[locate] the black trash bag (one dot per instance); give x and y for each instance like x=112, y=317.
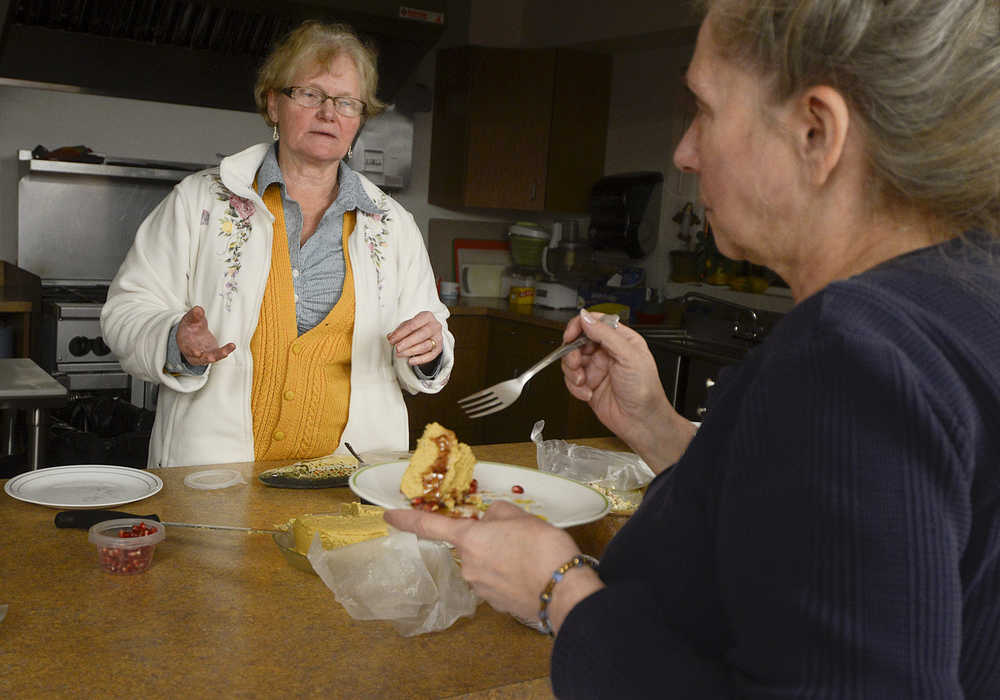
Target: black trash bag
x=100, y=430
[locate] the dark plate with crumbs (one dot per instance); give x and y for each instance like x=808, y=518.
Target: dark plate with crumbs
x=320, y=473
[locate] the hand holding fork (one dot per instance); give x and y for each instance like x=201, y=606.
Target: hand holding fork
x=500, y=396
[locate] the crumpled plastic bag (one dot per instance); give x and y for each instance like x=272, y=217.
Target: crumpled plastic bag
x=616, y=471
x=414, y=584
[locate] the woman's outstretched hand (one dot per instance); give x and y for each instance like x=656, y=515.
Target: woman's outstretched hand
x=617, y=376
x=196, y=342
x=507, y=557
x=419, y=339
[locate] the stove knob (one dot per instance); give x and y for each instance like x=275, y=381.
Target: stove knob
x=79, y=346
x=99, y=347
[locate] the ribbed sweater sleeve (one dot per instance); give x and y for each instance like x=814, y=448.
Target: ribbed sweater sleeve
x=812, y=542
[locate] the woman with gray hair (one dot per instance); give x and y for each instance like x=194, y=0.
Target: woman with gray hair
x=317, y=283
x=833, y=527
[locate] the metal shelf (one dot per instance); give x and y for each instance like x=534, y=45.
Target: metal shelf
x=122, y=167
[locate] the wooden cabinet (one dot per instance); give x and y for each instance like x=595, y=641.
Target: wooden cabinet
x=469, y=375
x=489, y=350
x=20, y=305
x=514, y=347
x=518, y=129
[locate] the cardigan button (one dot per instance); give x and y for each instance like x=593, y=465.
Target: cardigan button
x=289, y=395
x=278, y=436
x=296, y=349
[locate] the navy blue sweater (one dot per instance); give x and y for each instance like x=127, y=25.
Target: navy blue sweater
x=833, y=530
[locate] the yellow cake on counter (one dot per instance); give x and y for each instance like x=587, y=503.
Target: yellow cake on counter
x=354, y=523
x=439, y=474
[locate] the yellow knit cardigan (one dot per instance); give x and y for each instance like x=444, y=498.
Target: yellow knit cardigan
x=301, y=384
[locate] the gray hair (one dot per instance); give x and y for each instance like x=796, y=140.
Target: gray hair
x=922, y=75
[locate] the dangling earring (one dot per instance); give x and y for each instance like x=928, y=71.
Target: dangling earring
x=350, y=152
x=274, y=134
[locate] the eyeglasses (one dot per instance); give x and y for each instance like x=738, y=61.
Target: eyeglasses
x=311, y=97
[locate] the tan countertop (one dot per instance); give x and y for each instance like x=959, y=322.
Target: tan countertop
x=222, y=614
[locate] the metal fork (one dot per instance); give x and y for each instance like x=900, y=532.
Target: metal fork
x=500, y=396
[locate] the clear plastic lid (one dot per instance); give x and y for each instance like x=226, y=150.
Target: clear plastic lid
x=106, y=533
x=214, y=479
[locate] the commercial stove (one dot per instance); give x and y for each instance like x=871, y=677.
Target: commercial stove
x=72, y=348
x=715, y=334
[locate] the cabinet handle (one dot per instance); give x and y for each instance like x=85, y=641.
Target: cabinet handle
x=709, y=383
x=701, y=411
x=532, y=191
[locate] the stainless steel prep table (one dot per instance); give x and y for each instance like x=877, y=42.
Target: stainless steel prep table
x=25, y=385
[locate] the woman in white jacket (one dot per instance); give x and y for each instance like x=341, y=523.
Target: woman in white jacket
x=282, y=300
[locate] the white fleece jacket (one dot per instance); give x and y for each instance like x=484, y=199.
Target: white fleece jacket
x=208, y=243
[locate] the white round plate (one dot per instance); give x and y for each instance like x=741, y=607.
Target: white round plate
x=560, y=501
x=83, y=486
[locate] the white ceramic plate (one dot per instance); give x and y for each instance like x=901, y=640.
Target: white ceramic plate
x=560, y=501
x=83, y=486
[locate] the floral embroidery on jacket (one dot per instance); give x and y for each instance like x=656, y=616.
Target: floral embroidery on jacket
x=234, y=228
x=376, y=231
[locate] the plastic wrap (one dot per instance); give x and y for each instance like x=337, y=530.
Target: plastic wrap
x=621, y=471
x=618, y=475
x=414, y=584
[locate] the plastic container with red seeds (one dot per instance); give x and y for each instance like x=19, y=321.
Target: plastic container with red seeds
x=126, y=545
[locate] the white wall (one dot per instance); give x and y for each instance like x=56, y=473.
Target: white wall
x=644, y=127
x=497, y=23
x=469, y=22
x=120, y=127
x=571, y=22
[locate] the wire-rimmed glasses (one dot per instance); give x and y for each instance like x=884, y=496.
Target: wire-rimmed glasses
x=312, y=97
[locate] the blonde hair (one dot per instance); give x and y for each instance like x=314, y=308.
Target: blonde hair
x=922, y=75
x=316, y=44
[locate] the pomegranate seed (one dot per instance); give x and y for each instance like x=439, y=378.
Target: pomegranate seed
x=517, y=489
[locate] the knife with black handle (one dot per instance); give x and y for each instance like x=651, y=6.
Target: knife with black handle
x=85, y=519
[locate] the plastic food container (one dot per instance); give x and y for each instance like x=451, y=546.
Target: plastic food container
x=126, y=545
x=522, y=293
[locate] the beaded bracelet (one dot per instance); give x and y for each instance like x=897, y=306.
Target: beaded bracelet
x=557, y=576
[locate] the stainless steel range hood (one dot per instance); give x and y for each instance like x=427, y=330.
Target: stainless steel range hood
x=195, y=52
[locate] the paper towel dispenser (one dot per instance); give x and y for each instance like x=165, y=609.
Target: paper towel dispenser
x=383, y=150
x=625, y=212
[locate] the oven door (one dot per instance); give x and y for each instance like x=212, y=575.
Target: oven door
x=92, y=376
x=107, y=376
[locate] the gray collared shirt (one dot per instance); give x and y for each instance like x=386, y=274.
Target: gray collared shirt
x=318, y=266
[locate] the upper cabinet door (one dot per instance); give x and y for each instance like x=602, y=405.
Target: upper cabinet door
x=510, y=111
x=518, y=129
